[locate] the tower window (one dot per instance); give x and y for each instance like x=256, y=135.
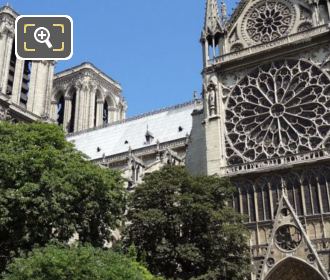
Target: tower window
x=25, y=82
x=105, y=112
x=60, y=110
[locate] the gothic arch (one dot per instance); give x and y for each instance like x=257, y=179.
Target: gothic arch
x=60, y=105
x=294, y=192
x=72, y=95
x=294, y=269
x=263, y=199
x=108, y=110
x=248, y=202
x=311, y=192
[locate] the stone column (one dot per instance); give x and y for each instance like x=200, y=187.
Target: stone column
x=99, y=113
x=53, y=110
x=82, y=108
x=87, y=107
x=41, y=82
x=112, y=114
x=49, y=88
x=6, y=44
x=78, y=107
x=18, y=79
x=92, y=107
x=67, y=112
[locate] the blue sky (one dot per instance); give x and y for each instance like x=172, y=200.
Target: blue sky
x=150, y=46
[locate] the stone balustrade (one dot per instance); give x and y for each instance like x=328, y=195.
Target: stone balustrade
x=305, y=35
x=284, y=161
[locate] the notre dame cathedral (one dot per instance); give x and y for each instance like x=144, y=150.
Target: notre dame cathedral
x=263, y=121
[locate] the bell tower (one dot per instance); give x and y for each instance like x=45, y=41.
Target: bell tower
x=25, y=86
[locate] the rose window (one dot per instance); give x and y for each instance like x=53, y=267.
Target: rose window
x=269, y=20
x=279, y=109
x=288, y=237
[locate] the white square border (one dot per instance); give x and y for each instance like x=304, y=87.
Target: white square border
x=38, y=59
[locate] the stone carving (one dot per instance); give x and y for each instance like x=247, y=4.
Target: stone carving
x=236, y=47
x=279, y=109
x=288, y=237
x=211, y=98
x=305, y=26
x=269, y=20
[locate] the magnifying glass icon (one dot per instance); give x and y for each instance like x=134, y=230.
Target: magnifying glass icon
x=42, y=35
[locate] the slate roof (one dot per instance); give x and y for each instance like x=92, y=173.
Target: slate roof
x=164, y=125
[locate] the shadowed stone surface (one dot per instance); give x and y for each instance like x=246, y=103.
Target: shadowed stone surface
x=292, y=269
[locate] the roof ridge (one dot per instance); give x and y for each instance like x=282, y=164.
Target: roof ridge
x=239, y=7
x=137, y=117
x=87, y=63
x=5, y=7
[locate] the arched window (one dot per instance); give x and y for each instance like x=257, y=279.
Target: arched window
x=294, y=193
x=263, y=200
x=276, y=191
x=25, y=82
x=105, y=112
x=73, y=95
x=324, y=194
x=311, y=193
x=11, y=73
x=307, y=195
x=248, y=203
x=60, y=109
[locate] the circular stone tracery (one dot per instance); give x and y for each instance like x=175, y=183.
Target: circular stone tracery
x=278, y=109
x=288, y=237
x=267, y=21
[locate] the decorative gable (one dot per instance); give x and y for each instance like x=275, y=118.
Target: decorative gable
x=258, y=22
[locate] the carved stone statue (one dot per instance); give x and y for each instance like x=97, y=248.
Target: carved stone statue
x=211, y=95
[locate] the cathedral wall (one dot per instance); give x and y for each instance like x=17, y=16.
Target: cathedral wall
x=196, y=154
x=308, y=192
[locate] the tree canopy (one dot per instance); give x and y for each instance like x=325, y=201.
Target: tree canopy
x=183, y=229
x=49, y=191
x=76, y=263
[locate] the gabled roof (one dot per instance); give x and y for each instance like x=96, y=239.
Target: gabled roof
x=119, y=137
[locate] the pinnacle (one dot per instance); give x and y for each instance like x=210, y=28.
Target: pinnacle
x=213, y=21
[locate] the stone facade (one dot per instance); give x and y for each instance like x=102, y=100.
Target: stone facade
x=84, y=98
x=263, y=122
x=266, y=107
x=25, y=86
x=79, y=98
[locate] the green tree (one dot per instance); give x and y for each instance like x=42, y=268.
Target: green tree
x=49, y=191
x=183, y=229
x=75, y=263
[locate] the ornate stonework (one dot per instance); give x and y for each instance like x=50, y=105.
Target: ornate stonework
x=280, y=108
x=268, y=20
x=271, y=133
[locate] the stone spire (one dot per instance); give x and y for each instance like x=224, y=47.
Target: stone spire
x=213, y=22
x=223, y=12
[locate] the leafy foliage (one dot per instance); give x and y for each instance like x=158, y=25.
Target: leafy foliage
x=181, y=226
x=49, y=191
x=78, y=263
